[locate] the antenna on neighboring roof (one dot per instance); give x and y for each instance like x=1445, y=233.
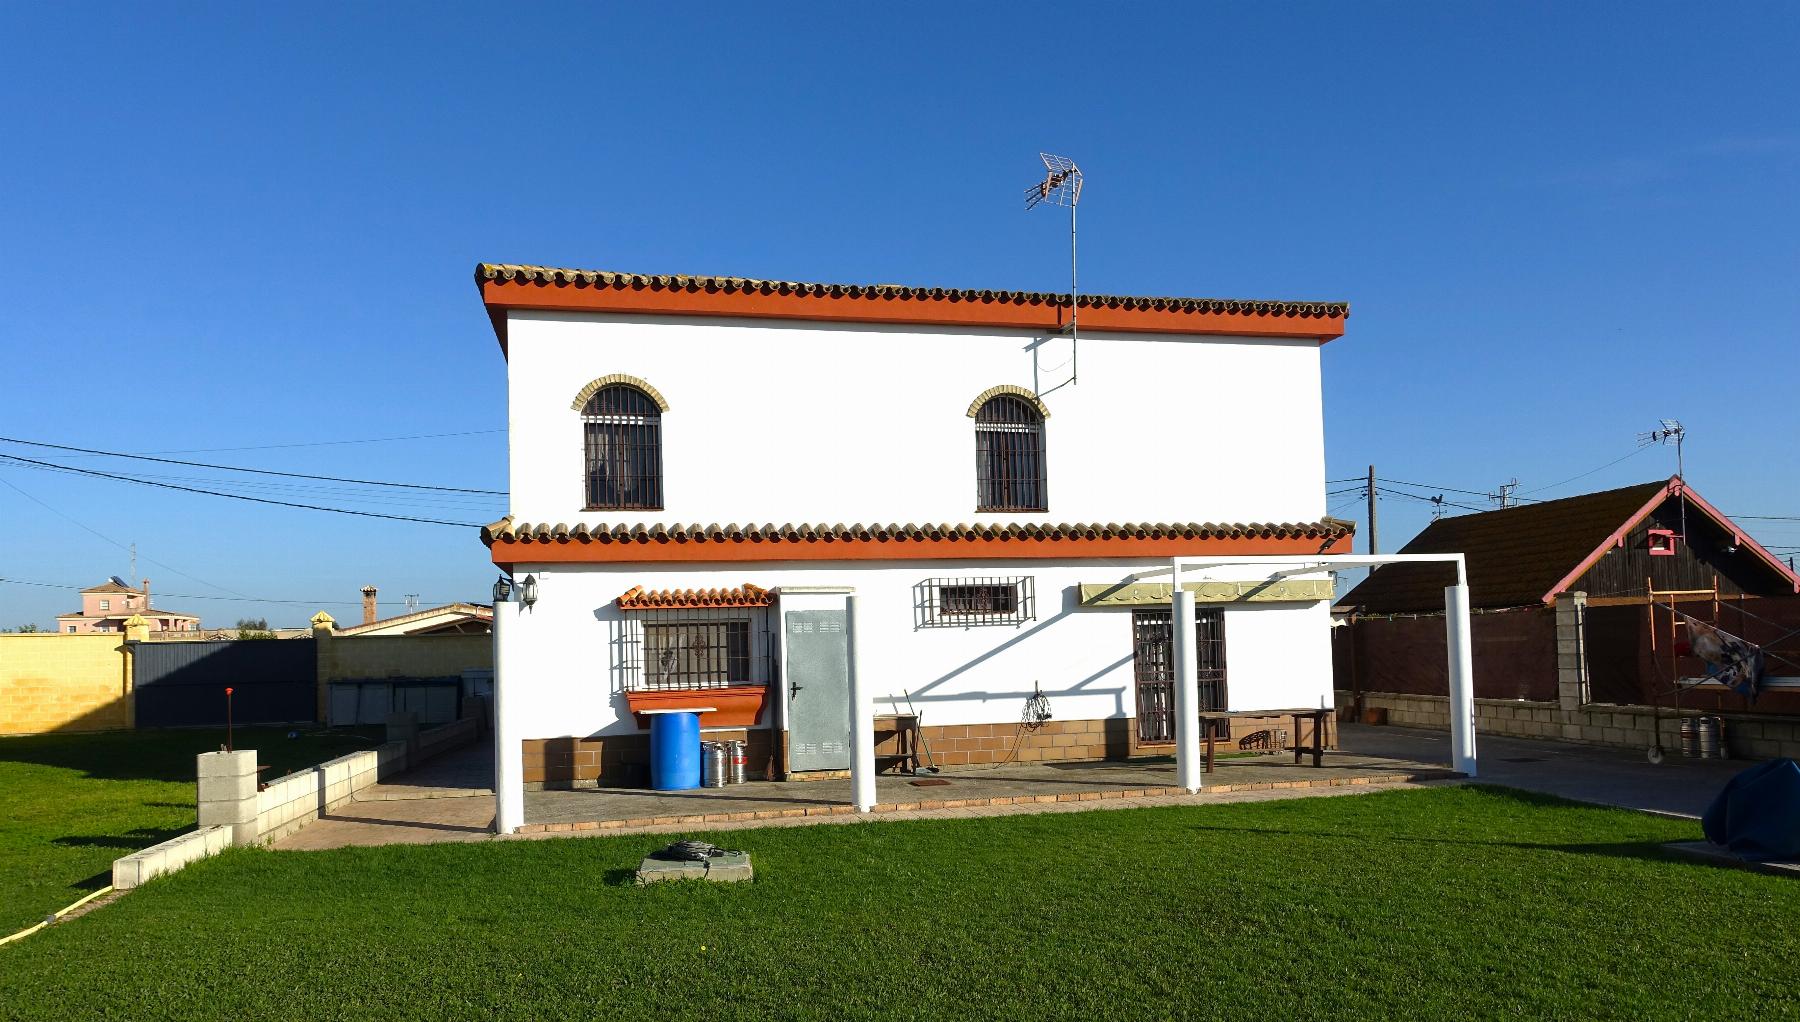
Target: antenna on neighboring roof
x=1672, y=432
x=1061, y=186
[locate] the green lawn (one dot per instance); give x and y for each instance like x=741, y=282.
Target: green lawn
x=1450, y=902
x=71, y=804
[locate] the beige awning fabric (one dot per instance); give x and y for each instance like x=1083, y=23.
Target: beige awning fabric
x=1152, y=594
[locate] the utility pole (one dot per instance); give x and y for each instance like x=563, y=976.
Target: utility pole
x=1506, y=492
x=1374, y=545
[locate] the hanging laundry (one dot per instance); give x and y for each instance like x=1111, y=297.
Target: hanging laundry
x=1730, y=661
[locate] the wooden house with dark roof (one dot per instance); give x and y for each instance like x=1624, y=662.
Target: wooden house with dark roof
x=1615, y=546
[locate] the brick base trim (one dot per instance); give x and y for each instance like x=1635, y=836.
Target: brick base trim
x=625, y=759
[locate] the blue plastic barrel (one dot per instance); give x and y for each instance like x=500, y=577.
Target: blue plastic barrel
x=675, y=751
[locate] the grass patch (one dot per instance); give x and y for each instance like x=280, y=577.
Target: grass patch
x=1450, y=902
x=74, y=803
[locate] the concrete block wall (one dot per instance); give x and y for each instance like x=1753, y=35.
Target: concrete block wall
x=53, y=682
x=285, y=805
x=1747, y=736
x=171, y=855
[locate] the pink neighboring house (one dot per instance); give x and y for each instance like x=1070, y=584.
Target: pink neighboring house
x=105, y=608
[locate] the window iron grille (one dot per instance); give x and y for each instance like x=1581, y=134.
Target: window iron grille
x=697, y=648
x=622, y=431
x=1153, y=666
x=970, y=602
x=1009, y=456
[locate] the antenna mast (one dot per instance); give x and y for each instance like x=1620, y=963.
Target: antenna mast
x=1061, y=186
x=1673, y=432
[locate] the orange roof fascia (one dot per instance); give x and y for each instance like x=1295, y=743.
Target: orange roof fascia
x=948, y=310
x=509, y=552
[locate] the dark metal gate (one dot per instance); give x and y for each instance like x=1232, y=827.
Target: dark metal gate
x=182, y=684
x=1153, y=664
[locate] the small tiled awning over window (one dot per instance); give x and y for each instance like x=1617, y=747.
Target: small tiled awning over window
x=746, y=595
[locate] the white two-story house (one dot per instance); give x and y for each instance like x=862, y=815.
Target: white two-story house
x=703, y=467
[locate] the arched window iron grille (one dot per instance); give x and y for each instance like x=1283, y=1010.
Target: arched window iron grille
x=1009, y=456
x=622, y=429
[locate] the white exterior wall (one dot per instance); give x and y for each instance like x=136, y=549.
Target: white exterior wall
x=778, y=421
x=1278, y=655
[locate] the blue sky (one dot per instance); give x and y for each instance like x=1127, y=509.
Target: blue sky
x=242, y=226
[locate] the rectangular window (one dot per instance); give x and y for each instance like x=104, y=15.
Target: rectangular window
x=696, y=653
x=105, y=604
x=1153, y=665
x=966, y=602
x=71, y=629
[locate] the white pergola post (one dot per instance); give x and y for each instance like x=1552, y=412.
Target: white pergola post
x=1188, y=764
x=1462, y=678
x=862, y=717
x=509, y=765
x=1456, y=615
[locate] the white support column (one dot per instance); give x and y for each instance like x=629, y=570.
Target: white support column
x=509, y=753
x=862, y=715
x=1462, y=679
x=1188, y=765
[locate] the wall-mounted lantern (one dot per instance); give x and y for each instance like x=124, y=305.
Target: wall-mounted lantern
x=528, y=590
x=502, y=589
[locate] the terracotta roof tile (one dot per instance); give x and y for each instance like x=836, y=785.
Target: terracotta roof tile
x=745, y=285
x=746, y=595
x=1515, y=556
x=507, y=531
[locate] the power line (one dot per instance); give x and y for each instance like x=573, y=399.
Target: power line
x=257, y=471
x=1640, y=449
x=226, y=599
x=328, y=443
x=237, y=496
x=82, y=525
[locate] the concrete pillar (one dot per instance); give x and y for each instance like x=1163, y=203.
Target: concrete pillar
x=322, y=627
x=137, y=628
x=862, y=716
x=1572, y=691
x=1188, y=764
x=509, y=750
x=226, y=793
x=1462, y=679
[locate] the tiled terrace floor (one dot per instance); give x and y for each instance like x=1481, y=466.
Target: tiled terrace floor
x=439, y=803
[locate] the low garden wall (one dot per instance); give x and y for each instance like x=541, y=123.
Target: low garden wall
x=1747, y=736
x=289, y=803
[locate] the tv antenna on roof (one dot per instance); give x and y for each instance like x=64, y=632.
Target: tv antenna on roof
x=1672, y=432
x=1061, y=186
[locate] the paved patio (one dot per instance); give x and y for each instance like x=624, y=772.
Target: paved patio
x=440, y=802
x=451, y=799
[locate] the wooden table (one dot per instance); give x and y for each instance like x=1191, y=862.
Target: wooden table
x=905, y=728
x=1317, y=715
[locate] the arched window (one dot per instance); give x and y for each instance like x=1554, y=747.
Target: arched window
x=1009, y=455
x=622, y=426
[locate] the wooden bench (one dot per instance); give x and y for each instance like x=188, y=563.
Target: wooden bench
x=1318, y=716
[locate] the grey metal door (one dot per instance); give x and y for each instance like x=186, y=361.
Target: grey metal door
x=818, y=680
x=182, y=684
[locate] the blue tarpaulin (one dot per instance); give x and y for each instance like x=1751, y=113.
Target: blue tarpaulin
x=1757, y=814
